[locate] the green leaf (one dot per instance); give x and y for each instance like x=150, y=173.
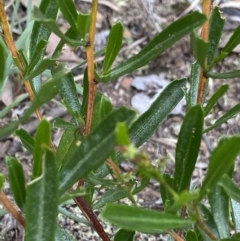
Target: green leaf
x=144, y=127
x=47, y=92
x=216, y=25
x=191, y=236
x=219, y=202
x=42, y=202
x=40, y=68
x=142, y=220
x=2, y=179
x=15, y=103
x=52, y=26
x=170, y=35
x=83, y=24
x=113, y=46
x=165, y=195
x=214, y=99
x=49, y=8
x=122, y=135
x=227, y=75
x=195, y=74
x=26, y=139
x=230, y=187
x=37, y=55
x=69, y=12
x=3, y=61
x=236, y=214
x=85, y=93
x=17, y=181
x=43, y=138
x=124, y=235
x=76, y=193
x=221, y=160
x=102, y=106
x=189, y=140
x=87, y=158
x=60, y=123
x=230, y=114
x=200, y=49
x=63, y=235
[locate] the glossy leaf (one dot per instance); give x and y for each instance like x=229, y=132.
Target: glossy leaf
x=221, y=160
x=216, y=25
x=227, y=75
x=157, y=45
x=124, y=235
x=69, y=12
x=49, y=8
x=2, y=60
x=43, y=138
x=236, y=214
x=214, y=99
x=42, y=202
x=195, y=74
x=230, y=187
x=189, y=140
x=219, y=202
x=142, y=220
x=83, y=24
x=47, y=92
x=191, y=236
x=26, y=139
x=85, y=93
x=144, y=127
x=52, y=26
x=38, y=53
x=230, y=114
x=17, y=181
x=87, y=158
x=113, y=46
x=2, y=179
x=200, y=49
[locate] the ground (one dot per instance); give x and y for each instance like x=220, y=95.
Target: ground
x=141, y=20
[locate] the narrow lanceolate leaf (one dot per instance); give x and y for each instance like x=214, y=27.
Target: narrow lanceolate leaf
x=189, y=140
x=62, y=235
x=215, y=32
x=236, y=215
x=227, y=75
x=68, y=9
x=157, y=45
x=49, y=8
x=125, y=235
x=191, y=236
x=17, y=181
x=165, y=195
x=113, y=46
x=221, y=160
x=142, y=220
x=144, y=127
x=47, y=92
x=83, y=24
x=2, y=179
x=87, y=158
x=43, y=138
x=230, y=114
x=230, y=187
x=219, y=202
x=195, y=73
x=2, y=60
x=26, y=139
x=200, y=49
x=42, y=202
x=214, y=99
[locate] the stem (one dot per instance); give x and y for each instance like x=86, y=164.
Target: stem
x=206, y=9
x=90, y=64
x=202, y=225
x=11, y=209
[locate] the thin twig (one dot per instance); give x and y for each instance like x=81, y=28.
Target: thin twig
x=11, y=209
x=206, y=9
